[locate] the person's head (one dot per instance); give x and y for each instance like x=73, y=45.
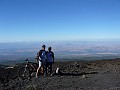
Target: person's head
x=49, y=48
x=43, y=47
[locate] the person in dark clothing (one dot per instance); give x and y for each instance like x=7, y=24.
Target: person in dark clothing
x=41, y=59
x=49, y=61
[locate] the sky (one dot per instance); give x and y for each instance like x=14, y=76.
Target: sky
x=49, y=20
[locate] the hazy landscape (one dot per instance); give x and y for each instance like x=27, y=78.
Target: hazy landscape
x=84, y=36
x=64, y=50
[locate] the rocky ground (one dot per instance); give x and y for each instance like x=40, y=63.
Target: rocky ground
x=77, y=75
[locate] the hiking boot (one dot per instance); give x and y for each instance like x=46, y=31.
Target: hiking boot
x=36, y=76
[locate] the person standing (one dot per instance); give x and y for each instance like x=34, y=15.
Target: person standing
x=49, y=60
x=42, y=60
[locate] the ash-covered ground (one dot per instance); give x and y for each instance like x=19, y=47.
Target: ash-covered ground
x=76, y=75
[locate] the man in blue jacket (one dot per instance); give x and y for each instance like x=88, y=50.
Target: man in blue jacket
x=49, y=60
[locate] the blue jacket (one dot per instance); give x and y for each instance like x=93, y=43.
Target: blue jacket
x=42, y=55
x=50, y=56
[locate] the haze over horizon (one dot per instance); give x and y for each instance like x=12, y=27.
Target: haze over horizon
x=49, y=20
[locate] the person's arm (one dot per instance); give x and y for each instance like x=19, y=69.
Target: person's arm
x=38, y=54
x=46, y=55
x=53, y=57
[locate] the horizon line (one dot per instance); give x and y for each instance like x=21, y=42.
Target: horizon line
x=61, y=40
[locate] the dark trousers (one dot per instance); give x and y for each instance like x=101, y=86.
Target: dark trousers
x=48, y=68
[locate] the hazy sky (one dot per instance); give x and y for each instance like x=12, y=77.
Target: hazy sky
x=41, y=20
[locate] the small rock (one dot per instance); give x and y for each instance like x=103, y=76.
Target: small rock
x=83, y=76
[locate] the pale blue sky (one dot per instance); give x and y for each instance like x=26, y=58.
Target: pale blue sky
x=44, y=20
